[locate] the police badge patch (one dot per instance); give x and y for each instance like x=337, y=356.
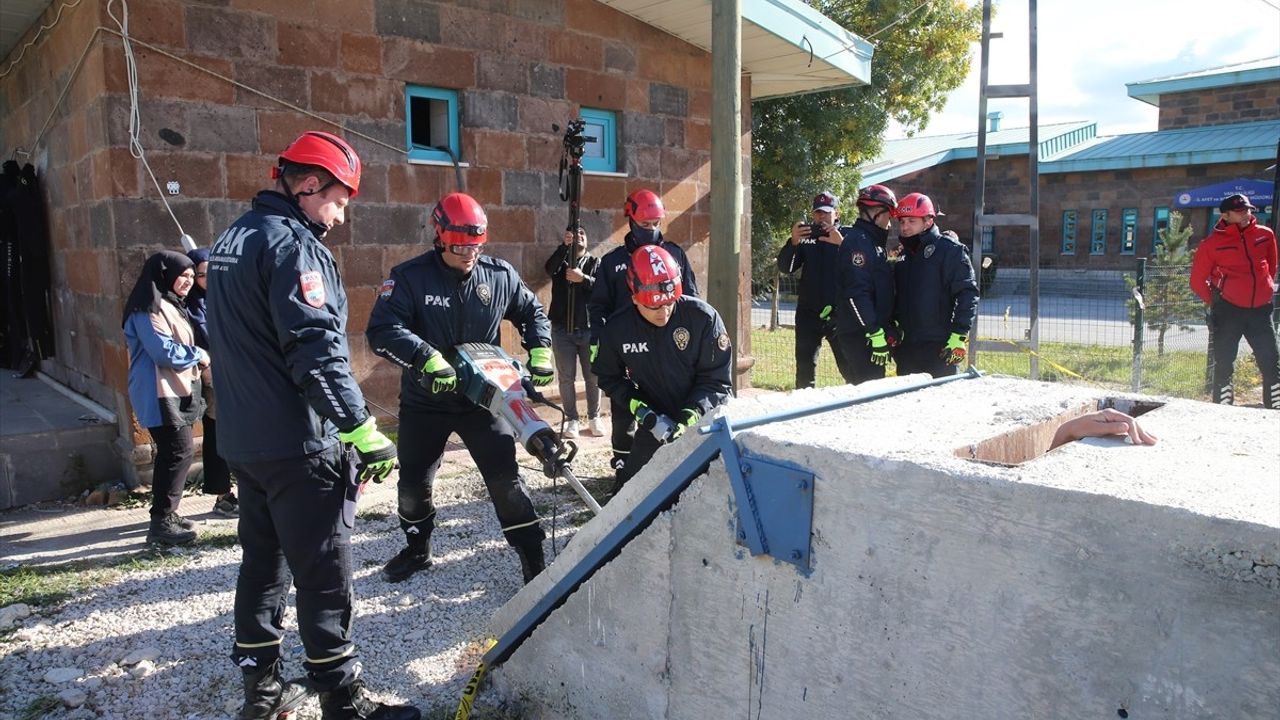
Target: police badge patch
x=722, y=342
x=388, y=286
x=312, y=285
x=484, y=293
x=928, y=250
x=681, y=336
x=859, y=259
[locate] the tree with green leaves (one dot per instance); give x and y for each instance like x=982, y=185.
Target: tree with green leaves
x=1167, y=299
x=804, y=144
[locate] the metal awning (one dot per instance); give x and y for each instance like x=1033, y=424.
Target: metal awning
x=788, y=48
x=1258, y=192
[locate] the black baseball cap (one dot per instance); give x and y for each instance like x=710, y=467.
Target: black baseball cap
x=825, y=202
x=1235, y=202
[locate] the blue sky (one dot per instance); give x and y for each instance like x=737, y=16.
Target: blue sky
x=1089, y=49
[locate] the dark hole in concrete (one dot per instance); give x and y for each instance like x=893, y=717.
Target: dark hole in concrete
x=1028, y=443
x=173, y=137
x=1122, y=713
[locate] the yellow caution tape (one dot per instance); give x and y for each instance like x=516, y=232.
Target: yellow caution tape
x=1051, y=363
x=472, y=688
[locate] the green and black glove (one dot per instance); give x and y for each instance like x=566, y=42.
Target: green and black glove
x=595, y=348
x=953, y=353
x=895, y=335
x=879, y=348
x=438, y=375
x=540, y=370
x=376, y=451
x=687, y=419
x=826, y=312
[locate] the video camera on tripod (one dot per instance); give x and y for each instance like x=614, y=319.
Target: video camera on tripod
x=575, y=143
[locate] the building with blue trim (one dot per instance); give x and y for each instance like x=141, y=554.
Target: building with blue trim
x=1103, y=199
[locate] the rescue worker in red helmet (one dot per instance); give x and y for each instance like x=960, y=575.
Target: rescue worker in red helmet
x=936, y=294
x=294, y=430
x=1234, y=273
x=864, y=314
x=665, y=357
x=449, y=295
x=644, y=212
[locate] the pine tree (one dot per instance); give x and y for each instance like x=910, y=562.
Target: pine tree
x=1167, y=297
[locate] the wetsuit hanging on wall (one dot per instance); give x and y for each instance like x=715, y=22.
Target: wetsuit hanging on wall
x=25, y=287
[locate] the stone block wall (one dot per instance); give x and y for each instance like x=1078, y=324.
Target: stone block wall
x=1220, y=106
x=522, y=69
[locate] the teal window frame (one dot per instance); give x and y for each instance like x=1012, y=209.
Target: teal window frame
x=601, y=154
x=1070, y=229
x=442, y=104
x=1159, y=221
x=1129, y=231
x=1098, y=232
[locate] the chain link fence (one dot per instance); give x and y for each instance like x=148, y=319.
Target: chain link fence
x=1141, y=330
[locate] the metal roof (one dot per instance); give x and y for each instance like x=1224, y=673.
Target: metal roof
x=900, y=157
x=1243, y=73
x=1239, y=142
x=788, y=48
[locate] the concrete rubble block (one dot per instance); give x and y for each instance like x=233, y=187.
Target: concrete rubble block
x=1096, y=579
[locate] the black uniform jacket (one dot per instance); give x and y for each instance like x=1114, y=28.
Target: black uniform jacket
x=936, y=291
x=866, y=280
x=556, y=266
x=611, y=292
x=425, y=305
x=685, y=364
x=820, y=279
x=278, y=334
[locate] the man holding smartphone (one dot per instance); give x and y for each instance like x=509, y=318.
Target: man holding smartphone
x=815, y=247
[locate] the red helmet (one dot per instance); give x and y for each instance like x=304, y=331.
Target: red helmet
x=877, y=195
x=653, y=276
x=643, y=206
x=459, y=220
x=327, y=151
x=915, y=205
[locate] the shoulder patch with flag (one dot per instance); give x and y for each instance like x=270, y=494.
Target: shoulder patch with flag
x=312, y=284
x=388, y=286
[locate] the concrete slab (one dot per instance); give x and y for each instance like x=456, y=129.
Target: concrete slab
x=51, y=445
x=1098, y=580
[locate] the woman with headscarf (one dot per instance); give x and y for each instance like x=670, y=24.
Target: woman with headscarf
x=217, y=475
x=165, y=383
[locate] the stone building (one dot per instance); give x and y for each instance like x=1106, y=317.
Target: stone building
x=222, y=86
x=1103, y=199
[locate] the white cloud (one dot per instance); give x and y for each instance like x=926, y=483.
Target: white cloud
x=1089, y=49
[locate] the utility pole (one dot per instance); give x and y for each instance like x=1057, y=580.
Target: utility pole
x=724, y=263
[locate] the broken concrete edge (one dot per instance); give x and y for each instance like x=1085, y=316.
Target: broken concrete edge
x=931, y=425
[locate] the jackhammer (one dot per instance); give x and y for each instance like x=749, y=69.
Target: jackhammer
x=492, y=379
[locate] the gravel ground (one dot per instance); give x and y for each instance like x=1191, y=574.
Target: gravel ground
x=155, y=643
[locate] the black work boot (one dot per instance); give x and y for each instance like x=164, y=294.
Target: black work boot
x=532, y=560
x=168, y=531
x=353, y=702
x=414, y=557
x=266, y=696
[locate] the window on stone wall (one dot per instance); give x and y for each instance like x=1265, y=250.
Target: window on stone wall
x=431, y=123
x=1159, y=223
x=601, y=152
x=1098, y=233
x=988, y=239
x=1129, y=231
x=1069, y=218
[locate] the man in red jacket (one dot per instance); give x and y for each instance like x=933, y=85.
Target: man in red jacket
x=1234, y=272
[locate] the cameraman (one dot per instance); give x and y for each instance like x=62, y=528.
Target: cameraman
x=816, y=248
